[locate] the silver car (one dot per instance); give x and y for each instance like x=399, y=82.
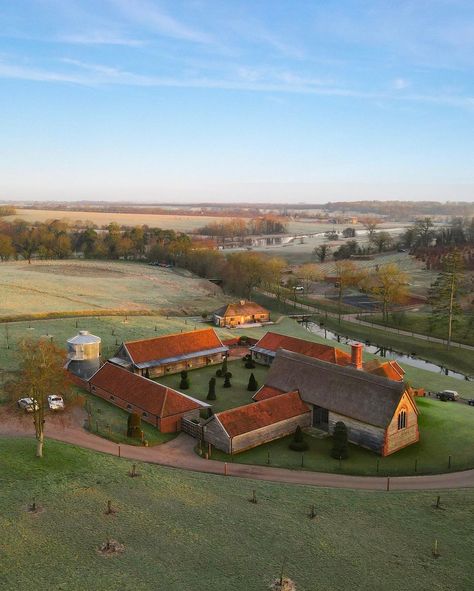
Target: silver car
x=55, y=402
x=28, y=404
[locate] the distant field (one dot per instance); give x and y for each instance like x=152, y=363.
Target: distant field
x=180, y=223
x=185, y=531
x=72, y=286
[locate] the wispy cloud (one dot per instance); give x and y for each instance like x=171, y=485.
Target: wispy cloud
x=99, y=38
x=149, y=16
x=400, y=84
x=104, y=75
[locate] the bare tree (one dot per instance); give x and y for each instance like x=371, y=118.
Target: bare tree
x=390, y=284
x=347, y=275
x=41, y=373
x=308, y=274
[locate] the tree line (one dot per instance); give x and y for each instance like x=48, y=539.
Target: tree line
x=240, y=228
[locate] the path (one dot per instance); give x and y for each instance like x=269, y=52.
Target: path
x=179, y=453
x=355, y=320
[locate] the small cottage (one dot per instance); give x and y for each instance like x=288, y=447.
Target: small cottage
x=379, y=413
x=171, y=353
x=158, y=405
x=242, y=428
x=243, y=312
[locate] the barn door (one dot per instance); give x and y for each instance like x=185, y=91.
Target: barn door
x=320, y=417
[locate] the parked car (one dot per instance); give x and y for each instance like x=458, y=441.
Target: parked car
x=448, y=395
x=55, y=402
x=471, y=401
x=27, y=404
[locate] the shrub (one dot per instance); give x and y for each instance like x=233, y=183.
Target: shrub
x=228, y=374
x=247, y=357
x=227, y=383
x=134, y=424
x=250, y=364
x=252, y=386
x=211, y=393
x=184, y=383
x=340, y=441
x=298, y=443
x=183, y=374
x=243, y=340
x=224, y=366
x=219, y=373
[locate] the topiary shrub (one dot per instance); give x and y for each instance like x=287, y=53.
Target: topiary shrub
x=243, y=340
x=252, y=386
x=211, y=393
x=184, y=383
x=298, y=443
x=134, y=426
x=228, y=374
x=340, y=448
x=250, y=364
x=219, y=373
x=224, y=366
x=227, y=383
x=183, y=373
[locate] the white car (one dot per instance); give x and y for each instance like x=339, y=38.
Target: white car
x=26, y=404
x=55, y=402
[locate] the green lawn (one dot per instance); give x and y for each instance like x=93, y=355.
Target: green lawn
x=237, y=395
x=446, y=429
x=185, y=531
x=110, y=422
x=418, y=322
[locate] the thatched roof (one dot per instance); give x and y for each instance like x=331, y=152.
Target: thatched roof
x=344, y=390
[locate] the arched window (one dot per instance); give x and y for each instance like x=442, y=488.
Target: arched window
x=402, y=419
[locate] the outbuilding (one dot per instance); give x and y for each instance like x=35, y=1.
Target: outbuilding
x=239, y=313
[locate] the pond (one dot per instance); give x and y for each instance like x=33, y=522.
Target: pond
x=387, y=353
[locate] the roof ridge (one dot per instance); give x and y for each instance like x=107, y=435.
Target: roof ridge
x=258, y=402
x=172, y=334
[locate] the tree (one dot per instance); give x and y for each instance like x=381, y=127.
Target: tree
x=134, y=426
x=41, y=373
x=224, y=366
x=424, y=231
x=445, y=292
x=244, y=271
x=211, y=393
x=345, y=251
x=331, y=235
x=184, y=383
x=349, y=233
x=252, y=386
x=370, y=224
x=6, y=247
x=390, y=284
x=322, y=252
x=308, y=274
x=382, y=241
x=347, y=275
x=340, y=441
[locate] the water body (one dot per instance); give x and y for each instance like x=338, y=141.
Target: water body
x=387, y=353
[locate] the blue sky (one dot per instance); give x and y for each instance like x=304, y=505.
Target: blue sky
x=237, y=100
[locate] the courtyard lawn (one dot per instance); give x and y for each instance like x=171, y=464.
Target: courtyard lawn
x=185, y=531
x=237, y=395
x=446, y=429
x=109, y=421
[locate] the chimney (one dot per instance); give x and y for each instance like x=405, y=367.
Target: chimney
x=356, y=355
x=242, y=302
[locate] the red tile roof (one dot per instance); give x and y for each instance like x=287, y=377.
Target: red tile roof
x=266, y=392
x=173, y=345
x=388, y=369
x=244, y=308
x=273, y=341
x=244, y=419
x=150, y=396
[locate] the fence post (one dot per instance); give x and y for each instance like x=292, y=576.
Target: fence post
x=225, y=468
x=388, y=482
x=119, y=451
x=449, y=462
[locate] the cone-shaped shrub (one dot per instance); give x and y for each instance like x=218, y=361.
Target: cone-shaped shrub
x=250, y=364
x=227, y=383
x=252, y=385
x=298, y=443
x=224, y=366
x=184, y=383
x=340, y=448
x=211, y=393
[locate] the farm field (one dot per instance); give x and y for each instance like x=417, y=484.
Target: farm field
x=446, y=429
x=359, y=540
x=97, y=286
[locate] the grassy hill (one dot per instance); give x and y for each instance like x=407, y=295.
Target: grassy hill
x=184, y=531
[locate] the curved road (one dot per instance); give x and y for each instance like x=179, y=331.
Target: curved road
x=179, y=453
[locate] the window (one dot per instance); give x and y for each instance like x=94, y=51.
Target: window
x=129, y=406
x=402, y=419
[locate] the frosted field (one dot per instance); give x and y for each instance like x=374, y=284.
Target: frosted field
x=95, y=286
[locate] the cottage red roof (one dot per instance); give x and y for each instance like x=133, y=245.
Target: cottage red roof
x=150, y=396
x=266, y=392
x=244, y=419
x=243, y=308
x=173, y=345
x=273, y=341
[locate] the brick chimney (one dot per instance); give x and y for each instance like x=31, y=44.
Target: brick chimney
x=356, y=355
